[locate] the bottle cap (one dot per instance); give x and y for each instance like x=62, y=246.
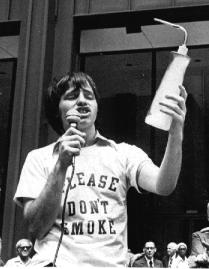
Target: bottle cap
x=183, y=50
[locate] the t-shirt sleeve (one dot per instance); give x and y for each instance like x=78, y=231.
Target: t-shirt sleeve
x=32, y=178
x=136, y=158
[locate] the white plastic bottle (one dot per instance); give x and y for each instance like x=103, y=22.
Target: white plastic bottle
x=170, y=82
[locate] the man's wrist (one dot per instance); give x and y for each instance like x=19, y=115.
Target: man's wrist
x=61, y=166
x=176, y=138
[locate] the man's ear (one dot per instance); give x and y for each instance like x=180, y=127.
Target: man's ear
x=155, y=249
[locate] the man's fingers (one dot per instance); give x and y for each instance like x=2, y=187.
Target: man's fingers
x=176, y=102
x=71, y=144
x=73, y=130
x=71, y=138
x=73, y=151
x=183, y=92
x=171, y=107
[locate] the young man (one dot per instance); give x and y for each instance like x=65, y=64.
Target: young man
x=95, y=222
x=23, y=249
x=148, y=259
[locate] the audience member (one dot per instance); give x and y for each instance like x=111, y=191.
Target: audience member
x=200, y=247
x=171, y=253
x=1, y=262
x=147, y=259
x=180, y=261
x=133, y=257
x=23, y=249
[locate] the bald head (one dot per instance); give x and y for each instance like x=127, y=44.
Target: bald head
x=171, y=248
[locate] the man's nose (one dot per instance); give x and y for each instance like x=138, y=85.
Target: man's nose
x=81, y=98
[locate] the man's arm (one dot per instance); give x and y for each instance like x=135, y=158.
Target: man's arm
x=42, y=212
x=163, y=180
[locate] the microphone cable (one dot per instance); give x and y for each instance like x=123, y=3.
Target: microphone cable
x=73, y=119
x=63, y=213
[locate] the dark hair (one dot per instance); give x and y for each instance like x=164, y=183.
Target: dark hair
x=57, y=89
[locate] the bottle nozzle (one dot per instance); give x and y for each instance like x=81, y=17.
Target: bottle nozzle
x=175, y=26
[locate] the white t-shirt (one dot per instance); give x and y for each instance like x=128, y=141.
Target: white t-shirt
x=96, y=211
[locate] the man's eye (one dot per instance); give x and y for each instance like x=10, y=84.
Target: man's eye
x=90, y=95
x=70, y=96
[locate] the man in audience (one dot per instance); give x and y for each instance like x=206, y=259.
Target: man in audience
x=1, y=262
x=171, y=253
x=180, y=261
x=147, y=259
x=133, y=257
x=23, y=249
x=199, y=256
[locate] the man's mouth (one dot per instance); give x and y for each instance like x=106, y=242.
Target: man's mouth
x=84, y=111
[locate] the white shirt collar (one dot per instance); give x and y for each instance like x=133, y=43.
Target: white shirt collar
x=148, y=260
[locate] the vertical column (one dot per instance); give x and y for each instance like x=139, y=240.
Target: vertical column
x=63, y=49
x=63, y=38
x=30, y=79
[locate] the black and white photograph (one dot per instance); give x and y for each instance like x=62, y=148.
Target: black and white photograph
x=104, y=133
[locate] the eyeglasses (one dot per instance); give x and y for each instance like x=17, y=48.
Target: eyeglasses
x=25, y=247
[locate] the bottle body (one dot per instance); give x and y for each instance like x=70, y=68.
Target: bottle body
x=170, y=82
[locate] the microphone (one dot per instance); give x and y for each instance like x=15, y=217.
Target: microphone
x=73, y=118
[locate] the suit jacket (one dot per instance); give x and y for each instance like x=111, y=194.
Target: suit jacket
x=1, y=262
x=165, y=261
x=142, y=262
x=197, y=247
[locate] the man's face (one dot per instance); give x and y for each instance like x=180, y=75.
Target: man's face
x=149, y=250
x=82, y=100
x=24, y=250
x=171, y=249
x=182, y=251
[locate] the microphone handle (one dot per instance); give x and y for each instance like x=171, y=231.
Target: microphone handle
x=74, y=125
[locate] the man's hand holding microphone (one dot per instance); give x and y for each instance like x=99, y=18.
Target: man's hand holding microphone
x=72, y=140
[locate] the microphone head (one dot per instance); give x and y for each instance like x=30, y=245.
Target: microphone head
x=73, y=118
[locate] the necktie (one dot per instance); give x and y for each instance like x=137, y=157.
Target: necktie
x=150, y=264
x=170, y=262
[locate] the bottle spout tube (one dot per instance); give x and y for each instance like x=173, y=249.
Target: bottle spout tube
x=175, y=26
x=170, y=82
